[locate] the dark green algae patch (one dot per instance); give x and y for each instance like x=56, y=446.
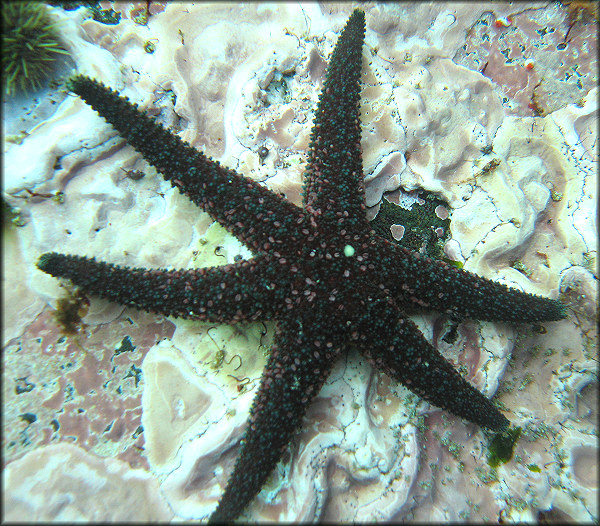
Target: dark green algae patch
x=420, y=221
x=501, y=447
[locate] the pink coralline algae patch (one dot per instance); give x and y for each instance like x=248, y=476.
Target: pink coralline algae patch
x=584, y=465
x=442, y=212
x=529, y=59
x=397, y=231
x=454, y=479
x=84, y=389
x=465, y=351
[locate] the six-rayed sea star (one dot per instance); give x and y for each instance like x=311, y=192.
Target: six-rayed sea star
x=326, y=278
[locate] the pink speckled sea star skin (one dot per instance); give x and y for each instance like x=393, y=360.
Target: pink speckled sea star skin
x=326, y=278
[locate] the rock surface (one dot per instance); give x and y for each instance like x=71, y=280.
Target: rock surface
x=158, y=405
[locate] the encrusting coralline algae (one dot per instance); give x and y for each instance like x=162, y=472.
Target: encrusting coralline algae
x=497, y=231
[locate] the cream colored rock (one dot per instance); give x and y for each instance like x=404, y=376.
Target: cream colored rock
x=370, y=450
x=65, y=483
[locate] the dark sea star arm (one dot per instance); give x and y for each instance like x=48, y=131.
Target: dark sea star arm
x=294, y=374
x=333, y=182
x=395, y=345
x=248, y=210
x=415, y=280
x=242, y=291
